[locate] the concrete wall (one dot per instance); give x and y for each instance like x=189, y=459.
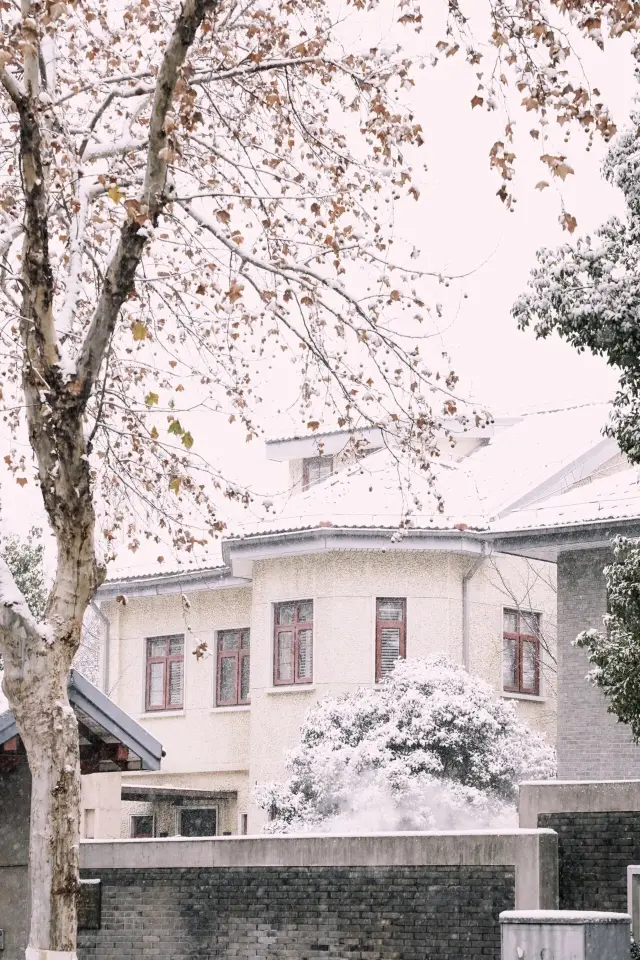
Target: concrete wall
x=591, y=743
x=15, y=803
x=232, y=749
x=598, y=827
x=377, y=897
x=100, y=806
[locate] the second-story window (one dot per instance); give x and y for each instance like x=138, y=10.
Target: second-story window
x=232, y=686
x=293, y=642
x=165, y=673
x=315, y=469
x=391, y=634
x=521, y=652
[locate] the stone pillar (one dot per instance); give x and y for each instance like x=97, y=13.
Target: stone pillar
x=564, y=935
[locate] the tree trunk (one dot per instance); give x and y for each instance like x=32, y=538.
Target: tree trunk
x=49, y=730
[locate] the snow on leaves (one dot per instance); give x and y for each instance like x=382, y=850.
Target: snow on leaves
x=590, y=292
x=430, y=747
x=614, y=653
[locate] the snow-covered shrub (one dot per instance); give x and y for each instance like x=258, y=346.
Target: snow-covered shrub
x=431, y=747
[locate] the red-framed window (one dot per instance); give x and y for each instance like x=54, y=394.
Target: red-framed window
x=521, y=652
x=315, y=469
x=165, y=673
x=232, y=676
x=391, y=634
x=293, y=642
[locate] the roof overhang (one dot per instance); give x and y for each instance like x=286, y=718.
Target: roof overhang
x=325, y=444
x=295, y=448
x=241, y=553
x=177, y=795
x=151, y=585
x=102, y=725
x=548, y=543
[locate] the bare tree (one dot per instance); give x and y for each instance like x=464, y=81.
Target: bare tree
x=189, y=191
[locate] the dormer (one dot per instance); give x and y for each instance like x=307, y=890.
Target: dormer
x=314, y=458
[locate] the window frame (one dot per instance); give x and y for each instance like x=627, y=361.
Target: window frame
x=180, y=810
x=295, y=627
x=383, y=624
x=167, y=659
x=239, y=655
x=138, y=816
x=306, y=483
x=520, y=639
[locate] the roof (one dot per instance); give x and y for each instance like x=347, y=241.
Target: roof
x=101, y=722
x=616, y=497
x=525, y=460
x=536, y=455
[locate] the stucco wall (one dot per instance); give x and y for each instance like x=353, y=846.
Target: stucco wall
x=100, y=806
x=235, y=748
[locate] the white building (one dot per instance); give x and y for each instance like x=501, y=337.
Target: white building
x=324, y=594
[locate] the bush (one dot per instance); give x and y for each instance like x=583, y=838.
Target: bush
x=430, y=748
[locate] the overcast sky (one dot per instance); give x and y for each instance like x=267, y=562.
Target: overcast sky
x=462, y=226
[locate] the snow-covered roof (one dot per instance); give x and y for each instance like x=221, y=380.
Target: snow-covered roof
x=536, y=455
x=100, y=720
x=616, y=497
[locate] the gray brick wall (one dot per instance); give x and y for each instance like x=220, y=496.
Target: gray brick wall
x=300, y=913
x=591, y=744
x=594, y=851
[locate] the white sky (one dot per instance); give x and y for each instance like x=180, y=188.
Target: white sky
x=460, y=223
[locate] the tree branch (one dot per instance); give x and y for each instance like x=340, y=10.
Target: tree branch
x=120, y=274
x=16, y=620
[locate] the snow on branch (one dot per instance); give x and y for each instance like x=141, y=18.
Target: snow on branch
x=15, y=617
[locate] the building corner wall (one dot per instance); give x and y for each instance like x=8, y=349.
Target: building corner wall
x=592, y=745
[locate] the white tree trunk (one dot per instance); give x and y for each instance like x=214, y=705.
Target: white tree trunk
x=49, y=730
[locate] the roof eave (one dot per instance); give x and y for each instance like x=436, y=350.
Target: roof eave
x=545, y=543
x=241, y=552
x=147, y=585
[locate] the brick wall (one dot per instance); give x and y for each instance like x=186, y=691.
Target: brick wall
x=594, y=851
x=591, y=744
x=300, y=913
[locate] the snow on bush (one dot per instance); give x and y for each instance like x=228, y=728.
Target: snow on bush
x=430, y=748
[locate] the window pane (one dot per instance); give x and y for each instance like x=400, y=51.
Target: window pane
x=176, y=645
x=305, y=654
x=530, y=624
x=245, y=639
x=176, y=673
x=285, y=612
x=390, y=609
x=228, y=667
x=509, y=664
x=198, y=822
x=305, y=611
x=318, y=468
x=156, y=684
x=244, y=678
x=284, y=656
x=142, y=826
x=529, y=665
x=157, y=647
x=390, y=649
x=510, y=621
x=228, y=639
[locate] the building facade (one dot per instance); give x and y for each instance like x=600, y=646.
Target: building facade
x=360, y=565
x=305, y=627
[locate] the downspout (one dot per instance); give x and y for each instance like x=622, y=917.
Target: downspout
x=466, y=580
x=106, y=646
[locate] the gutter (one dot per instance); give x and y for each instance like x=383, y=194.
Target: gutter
x=466, y=580
x=106, y=646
